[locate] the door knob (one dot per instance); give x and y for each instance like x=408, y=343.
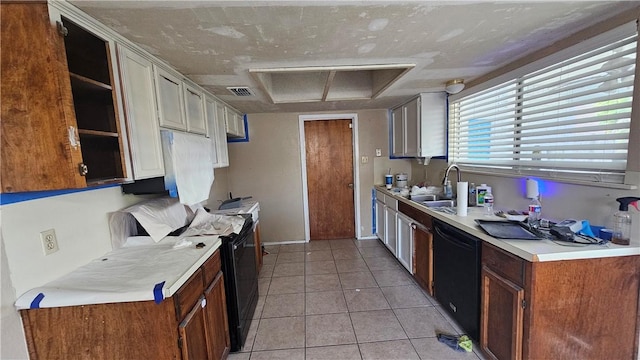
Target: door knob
x=350, y=185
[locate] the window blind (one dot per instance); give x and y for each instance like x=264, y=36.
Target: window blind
x=570, y=119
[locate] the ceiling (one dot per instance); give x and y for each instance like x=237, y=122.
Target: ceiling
x=218, y=43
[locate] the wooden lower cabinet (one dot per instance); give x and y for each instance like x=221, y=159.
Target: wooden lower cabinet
x=258, y=241
x=423, y=258
x=570, y=309
x=422, y=246
x=502, y=332
x=189, y=325
x=217, y=335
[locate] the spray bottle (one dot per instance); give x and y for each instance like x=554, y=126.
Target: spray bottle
x=622, y=220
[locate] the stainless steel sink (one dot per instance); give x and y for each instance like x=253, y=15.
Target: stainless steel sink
x=438, y=203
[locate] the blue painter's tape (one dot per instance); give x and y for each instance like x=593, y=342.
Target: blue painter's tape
x=35, y=304
x=157, y=293
x=12, y=198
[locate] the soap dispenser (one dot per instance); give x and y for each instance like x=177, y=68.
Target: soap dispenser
x=622, y=220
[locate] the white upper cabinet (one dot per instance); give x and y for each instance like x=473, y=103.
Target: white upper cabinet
x=397, y=119
x=215, y=113
x=170, y=99
x=235, y=123
x=194, y=106
x=136, y=74
x=419, y=127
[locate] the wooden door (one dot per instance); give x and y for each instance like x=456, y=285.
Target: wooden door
x=193, y=334
x=329, y=155
x=423, y=262
x=217, y=324
x=37, y=106
x=501, y=319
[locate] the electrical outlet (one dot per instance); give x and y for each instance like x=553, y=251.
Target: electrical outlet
x=378, y=152
x=365, y=159
x=49, y=241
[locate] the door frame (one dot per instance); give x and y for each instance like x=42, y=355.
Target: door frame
x=356, y=169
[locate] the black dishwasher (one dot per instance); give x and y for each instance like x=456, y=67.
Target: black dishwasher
x=456, y=262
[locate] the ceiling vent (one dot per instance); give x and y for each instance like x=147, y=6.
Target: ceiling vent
x=328, y=83
x=240, y=91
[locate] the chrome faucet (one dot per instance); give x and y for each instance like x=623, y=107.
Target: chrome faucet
x=446, y=173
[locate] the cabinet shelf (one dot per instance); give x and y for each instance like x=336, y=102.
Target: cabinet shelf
x=98, y=133
x=84, y=83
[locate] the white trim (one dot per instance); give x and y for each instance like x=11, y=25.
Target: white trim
x=284, y=242
x=356, y=168
x=371, y=237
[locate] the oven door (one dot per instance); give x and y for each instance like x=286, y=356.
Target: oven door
x=241, y=282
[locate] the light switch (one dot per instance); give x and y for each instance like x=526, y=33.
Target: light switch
x=365, y=159
x=378, y=152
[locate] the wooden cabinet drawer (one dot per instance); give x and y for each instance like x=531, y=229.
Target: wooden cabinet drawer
x=503, y=263
x=211, y=268
x=417, y=215
x=189, y=293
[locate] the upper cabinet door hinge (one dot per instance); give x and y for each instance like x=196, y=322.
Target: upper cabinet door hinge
x=62, y=30
x=524, y=304
x=350, y=126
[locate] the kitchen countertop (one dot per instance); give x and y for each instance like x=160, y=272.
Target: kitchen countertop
x=530, y=250
x=138, y=273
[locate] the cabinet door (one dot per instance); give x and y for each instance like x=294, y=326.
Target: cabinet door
x=216, y=320
x=411, y=127
x=501, y=317
x=212, y=127
x=432, y=130
x=141, y=114
x=170, y=100
x=36, y=111
x=397, y=138
x=256, y=236
x=423, y=257
x=221, y=135
x=193, y=102
x=404, y=241
x=380, y=221
x=192, y=329
x=390, y=230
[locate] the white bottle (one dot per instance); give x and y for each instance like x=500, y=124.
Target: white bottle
x=448, y=190
x=488, y=203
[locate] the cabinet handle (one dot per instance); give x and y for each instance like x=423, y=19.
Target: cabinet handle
x=203, y=303
x=62, y=30
x=84, y=170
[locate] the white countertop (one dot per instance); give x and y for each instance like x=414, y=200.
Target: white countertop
x=530, y=250
x=139, y=273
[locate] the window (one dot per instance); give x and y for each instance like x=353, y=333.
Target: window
x=568, y=119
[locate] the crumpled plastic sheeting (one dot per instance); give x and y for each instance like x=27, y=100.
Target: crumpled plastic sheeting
x=158, y=217
x=126, y=274
x=213, y=224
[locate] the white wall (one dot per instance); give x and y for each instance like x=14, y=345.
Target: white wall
x=81, y=224
x=268, y=168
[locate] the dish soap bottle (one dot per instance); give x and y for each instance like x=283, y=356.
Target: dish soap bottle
x=472, y=194
x=448, y=190
x=622, y=220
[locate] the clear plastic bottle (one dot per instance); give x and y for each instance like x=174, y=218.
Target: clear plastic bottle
x=535, y=211
x=472, y=194
x=622, y=220
x=448, y=190
x=488, y=203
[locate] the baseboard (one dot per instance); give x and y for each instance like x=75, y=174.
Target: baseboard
x=372, y=237
x=284, y=242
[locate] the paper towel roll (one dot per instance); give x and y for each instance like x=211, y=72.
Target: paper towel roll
x=463, y=197
x=532, y=189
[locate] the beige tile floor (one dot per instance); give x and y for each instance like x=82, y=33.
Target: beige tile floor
x=344, y=299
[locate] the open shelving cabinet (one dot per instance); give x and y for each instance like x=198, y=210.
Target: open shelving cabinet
x=94, y=99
